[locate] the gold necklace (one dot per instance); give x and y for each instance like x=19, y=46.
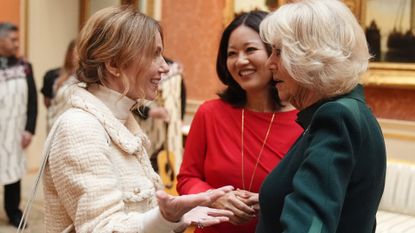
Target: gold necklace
x=260, y=152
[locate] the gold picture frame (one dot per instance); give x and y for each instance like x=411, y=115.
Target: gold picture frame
x=383, y=74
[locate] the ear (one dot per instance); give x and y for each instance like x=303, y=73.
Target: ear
x=112, y=68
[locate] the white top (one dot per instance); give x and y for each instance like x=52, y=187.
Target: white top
x=119, y=105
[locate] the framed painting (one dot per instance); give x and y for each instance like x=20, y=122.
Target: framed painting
x=389, y=27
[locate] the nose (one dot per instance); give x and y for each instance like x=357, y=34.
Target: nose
x=164, y=67
x=242, y=59
x=16, y=45
x=271, y=62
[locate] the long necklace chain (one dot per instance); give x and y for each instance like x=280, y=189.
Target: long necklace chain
x=260, y=152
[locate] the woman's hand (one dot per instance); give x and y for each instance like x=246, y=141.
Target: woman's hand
x=249, y=198
x=202, y=216
x=240, y=203
x=26, y=139
x=174, y=207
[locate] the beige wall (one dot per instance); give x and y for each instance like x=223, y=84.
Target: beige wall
x=399, y=138
x=51, y=25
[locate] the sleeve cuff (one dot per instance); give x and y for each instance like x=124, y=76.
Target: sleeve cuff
x=157, y=223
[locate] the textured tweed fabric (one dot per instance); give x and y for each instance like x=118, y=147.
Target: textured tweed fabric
x=99, y=176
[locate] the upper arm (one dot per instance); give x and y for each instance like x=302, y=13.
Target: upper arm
x=320, y=184
x=80, y=169
x=191, y=178
x=31, y=101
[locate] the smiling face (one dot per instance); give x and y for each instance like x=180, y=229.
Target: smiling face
x=145, y=84
x=246, y=59
x=286, y=85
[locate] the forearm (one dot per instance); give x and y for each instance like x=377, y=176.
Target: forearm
x=31, y=105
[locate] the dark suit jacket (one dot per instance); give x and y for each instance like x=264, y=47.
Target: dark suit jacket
x=333, y=177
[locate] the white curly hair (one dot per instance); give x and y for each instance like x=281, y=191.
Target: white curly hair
x=322, y=45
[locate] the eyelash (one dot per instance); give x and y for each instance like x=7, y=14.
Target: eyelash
x=249, y=49
x=231, y=53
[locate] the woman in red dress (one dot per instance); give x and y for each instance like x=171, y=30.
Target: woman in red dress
x=240, y=137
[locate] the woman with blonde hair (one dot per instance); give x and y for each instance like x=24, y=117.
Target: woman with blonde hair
x=98, y=177
x=332, y=179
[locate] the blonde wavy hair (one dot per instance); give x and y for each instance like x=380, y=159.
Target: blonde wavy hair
x=120, y=35
x=322, y=45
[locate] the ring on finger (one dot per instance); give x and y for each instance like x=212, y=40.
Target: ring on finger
x=199, y=225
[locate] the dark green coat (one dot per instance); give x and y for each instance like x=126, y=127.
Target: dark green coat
x=333, y=177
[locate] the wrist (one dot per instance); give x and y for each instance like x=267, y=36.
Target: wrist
x=180, y=229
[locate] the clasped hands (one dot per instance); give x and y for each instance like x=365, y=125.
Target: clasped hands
x=193, y=209
x=243, y=204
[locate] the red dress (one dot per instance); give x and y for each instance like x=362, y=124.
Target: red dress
x=212, y=156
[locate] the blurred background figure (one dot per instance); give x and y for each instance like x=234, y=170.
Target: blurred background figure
x=18, y=112
x=162, y=121
x=55, y=83
x=238, y=139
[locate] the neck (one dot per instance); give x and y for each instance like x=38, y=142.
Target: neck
x=113, y=83
x=259, y=102
x=118, y=104
x=305, y=98
x=287, y=106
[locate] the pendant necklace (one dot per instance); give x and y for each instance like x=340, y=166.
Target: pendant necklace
x=260, y=152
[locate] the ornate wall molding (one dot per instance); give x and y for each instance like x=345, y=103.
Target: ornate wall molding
x=390, y=75
x=398, y=129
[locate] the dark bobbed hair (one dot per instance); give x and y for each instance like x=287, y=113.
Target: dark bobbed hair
x=233, y=93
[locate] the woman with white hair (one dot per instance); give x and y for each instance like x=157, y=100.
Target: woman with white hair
x=332, y=179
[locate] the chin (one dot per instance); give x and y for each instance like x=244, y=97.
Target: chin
x=283, y=97
x=151, y=96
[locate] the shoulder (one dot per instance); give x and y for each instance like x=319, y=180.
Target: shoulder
x=211, y=110
x=289, y=115
x=76, y=123
x=214, y=105
x=27, y=66
x=343, y=114
x=52, y=73
x=340, y=108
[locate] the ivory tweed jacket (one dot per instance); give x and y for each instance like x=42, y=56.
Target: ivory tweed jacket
x=98, y=175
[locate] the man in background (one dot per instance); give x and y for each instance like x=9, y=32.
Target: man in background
x=18, y=112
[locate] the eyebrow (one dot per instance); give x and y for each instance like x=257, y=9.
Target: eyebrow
x=246, y=44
